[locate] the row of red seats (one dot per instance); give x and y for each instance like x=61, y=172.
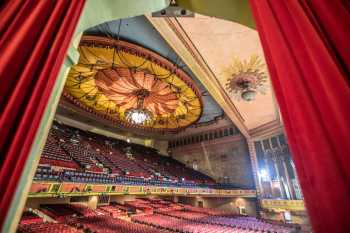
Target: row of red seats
x=59, y=212
x=30, y=218
x=157, y=216
x=113, y=211
x=236, y=222
x=58, y=163
x=47, y=228
x=106, y=224
x=180, y=225
x=52, y=149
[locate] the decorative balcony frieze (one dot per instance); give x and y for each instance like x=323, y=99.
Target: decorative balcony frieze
x=48, y=189
x=280, y=205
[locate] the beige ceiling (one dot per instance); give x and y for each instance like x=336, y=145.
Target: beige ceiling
x=214, y=43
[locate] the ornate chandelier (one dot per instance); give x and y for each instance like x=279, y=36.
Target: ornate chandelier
x=139, y=115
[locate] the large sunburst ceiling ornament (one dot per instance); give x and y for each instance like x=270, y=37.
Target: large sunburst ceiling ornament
x=246, y=78
x=132, y=86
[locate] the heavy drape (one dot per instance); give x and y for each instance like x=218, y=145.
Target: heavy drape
x=34, y=38
x=306, y=45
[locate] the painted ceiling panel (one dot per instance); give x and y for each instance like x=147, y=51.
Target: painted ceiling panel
x=224, y=44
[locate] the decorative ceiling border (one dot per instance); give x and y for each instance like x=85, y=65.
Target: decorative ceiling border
x=69, y=110
x=266, y=130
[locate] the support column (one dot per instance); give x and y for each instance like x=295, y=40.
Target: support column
x=278, y=177
x=289, y=183
x=267, y=167
x=296, y=176
x=254, y=162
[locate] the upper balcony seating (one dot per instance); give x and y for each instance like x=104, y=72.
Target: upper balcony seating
x=82, y=156
x=100, y=152
x=88, y=154
x=129, y=167
x=54, y=155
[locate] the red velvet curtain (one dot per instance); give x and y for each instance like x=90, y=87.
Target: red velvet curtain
x=35, y=35
x=307, y=49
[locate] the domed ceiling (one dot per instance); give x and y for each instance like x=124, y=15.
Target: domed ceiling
x=132, y=86
x=126, y=66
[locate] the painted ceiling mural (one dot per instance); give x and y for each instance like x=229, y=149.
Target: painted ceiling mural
x=132, y=86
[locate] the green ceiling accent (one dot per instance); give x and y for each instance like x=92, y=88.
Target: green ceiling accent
x=235, y=10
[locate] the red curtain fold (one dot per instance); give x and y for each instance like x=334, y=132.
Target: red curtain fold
x=35, y=36
x=306, y=45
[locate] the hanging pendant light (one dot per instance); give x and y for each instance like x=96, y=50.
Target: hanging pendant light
x=139, y=115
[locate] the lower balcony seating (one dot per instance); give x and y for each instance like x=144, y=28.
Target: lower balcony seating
x=59, y=212
x=236, y=222
x=165, y=217
x=47, y=228
x=208, y=211
x=106, y=224
x=140, y=205
x=30, y=218
x=114, y=210
x=82, y=210
x=178, y=225
x=209, y=224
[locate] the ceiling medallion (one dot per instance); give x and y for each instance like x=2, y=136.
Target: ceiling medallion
x=246, y=78
x=133, y=87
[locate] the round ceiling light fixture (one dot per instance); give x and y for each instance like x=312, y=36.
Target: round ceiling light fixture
x=248, y=95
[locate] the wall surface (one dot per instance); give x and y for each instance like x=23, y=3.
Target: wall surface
x=35, y=203
x=226, y=204
x=224, y=159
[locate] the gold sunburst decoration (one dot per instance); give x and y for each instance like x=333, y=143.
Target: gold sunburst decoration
x=246, y=78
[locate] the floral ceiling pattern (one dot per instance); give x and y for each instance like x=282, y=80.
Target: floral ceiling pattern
x=113, y=77
x=124, y=87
